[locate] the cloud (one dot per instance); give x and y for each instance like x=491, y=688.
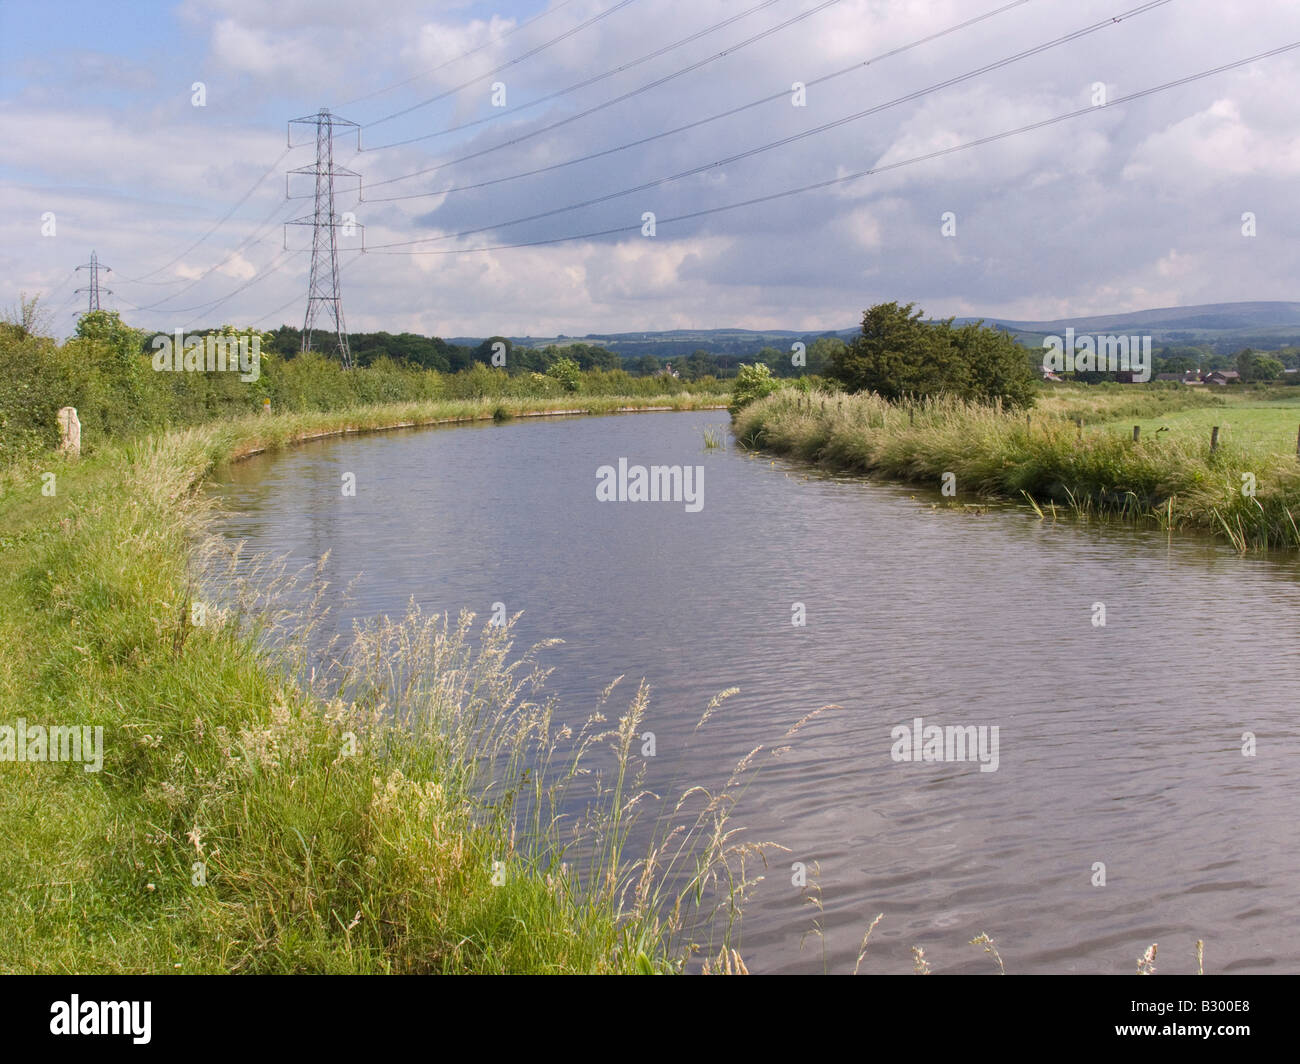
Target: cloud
x=1136, y=202
x=1215, y=145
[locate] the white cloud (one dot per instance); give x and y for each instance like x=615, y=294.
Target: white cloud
x=1215, y=145
x=1136, y=202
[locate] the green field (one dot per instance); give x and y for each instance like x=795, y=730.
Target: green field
x=1248, y=422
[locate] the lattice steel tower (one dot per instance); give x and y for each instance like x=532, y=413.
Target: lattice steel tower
x=94, y=266
x=323, y=284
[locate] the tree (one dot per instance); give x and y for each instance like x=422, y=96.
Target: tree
x=898, y=355
x=776, y=360
x=699, y=363
x=1176, y=364
x=484, y=352
x=592, y=356
x=1256, y=367
x=995, y=365
x=1265, y=368
x=566, y=372
x=29, y=318
x=820, y=352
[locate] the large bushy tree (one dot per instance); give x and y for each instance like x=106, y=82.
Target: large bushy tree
x=1256, y=367
x=899, y=355
x=993, y=366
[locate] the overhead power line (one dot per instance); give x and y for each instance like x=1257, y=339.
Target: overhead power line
x=48, y=295
x=608, y=103
x=794, y=137
x=629, y=65
x=456, y=58
x=872, y=171
x=67, y=302
x=220, y=222
x=281, y=207
x=273, y=266
x=504, y=66
x=783, y=96
x=343, y=268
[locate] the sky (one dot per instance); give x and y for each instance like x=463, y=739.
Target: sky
x=508, y=155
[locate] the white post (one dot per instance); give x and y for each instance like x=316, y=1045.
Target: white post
x=70, y=430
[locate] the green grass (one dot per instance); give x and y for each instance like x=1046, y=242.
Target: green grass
x=1266, y=423
x=1171, y=480
x=317, y=858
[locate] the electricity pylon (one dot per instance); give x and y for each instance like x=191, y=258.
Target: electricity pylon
x=94, y=266
x=323, y=283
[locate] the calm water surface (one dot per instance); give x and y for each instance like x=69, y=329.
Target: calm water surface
x=1118, y=744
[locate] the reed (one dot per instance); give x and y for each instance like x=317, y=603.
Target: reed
x=715, y=438
x=1171, y=484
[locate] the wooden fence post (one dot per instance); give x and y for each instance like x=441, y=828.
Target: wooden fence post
x=1214, y=439
x=1137, y=430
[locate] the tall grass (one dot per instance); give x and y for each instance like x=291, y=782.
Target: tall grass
x=1044, y=458
x=408, y=801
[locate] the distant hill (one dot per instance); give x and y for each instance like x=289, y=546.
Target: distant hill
x=1223, y=327
x=673, y=343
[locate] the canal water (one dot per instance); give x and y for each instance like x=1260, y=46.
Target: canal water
x=1126, y=806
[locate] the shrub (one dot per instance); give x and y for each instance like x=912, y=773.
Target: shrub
x=752, y=383
x=566, y=372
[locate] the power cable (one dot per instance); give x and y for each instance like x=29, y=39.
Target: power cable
x=504, y=66
x=829, y=182
x=783, y=141
x=782, y=95
x=456, y=59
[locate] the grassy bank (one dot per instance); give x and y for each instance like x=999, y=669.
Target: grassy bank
x=243, y=823
x=1173, y=480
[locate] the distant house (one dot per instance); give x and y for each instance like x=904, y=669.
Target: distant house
x=1188, y=377
x=1222, y=377
x=1048, y=375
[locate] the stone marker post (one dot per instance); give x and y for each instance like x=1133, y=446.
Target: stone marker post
x=70, y=432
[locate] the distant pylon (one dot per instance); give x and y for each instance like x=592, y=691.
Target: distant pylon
x=94, y=266
x=323, y=283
